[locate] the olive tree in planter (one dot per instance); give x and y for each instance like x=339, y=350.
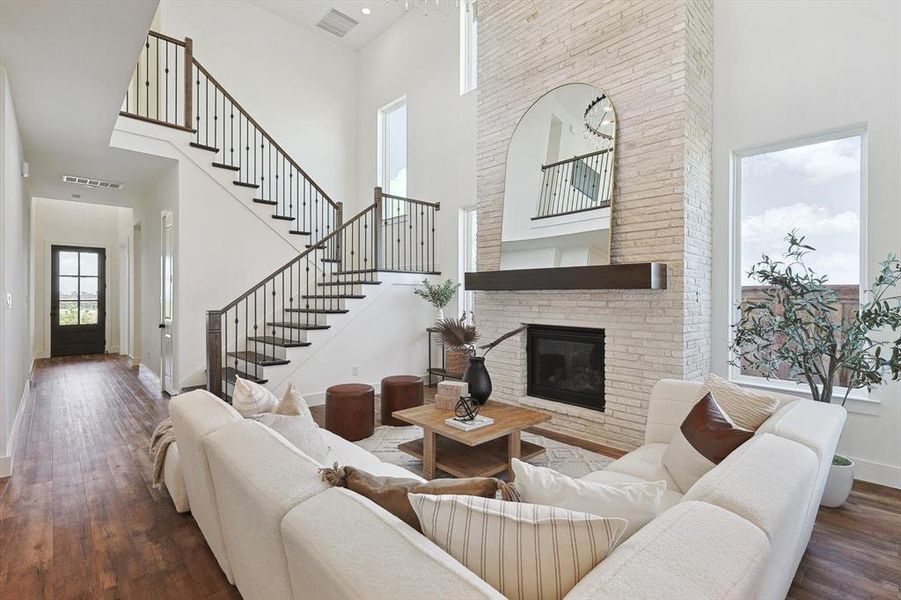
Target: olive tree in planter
x=438, y=295
x=798, y=325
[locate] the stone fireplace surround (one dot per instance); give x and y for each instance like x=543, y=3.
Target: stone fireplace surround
x=654, y=60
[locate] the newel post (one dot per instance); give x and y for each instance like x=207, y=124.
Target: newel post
x=189, y=83
x=214, y=352
x=376, y=229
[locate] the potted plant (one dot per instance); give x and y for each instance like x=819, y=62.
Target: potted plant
x=459, y=335
x=798, y=326
x=438, y=295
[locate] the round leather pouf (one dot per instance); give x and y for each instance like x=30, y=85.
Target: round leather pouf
x=350, y=410
x=400, y=392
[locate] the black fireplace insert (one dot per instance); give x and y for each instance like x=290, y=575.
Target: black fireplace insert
x=566, y=364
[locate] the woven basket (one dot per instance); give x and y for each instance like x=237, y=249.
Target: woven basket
x=455, y=362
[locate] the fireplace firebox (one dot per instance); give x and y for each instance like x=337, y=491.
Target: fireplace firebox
x=566, y=364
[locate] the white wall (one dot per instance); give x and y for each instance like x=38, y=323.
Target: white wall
x=419, y=57
x=15, y=275
x=786, y=70
x=300, y=87
x=67, y=223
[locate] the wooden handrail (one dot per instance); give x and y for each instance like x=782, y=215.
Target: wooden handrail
x=168, y=38
x=575, y=158
x=435, y=205
x=272, y=141
x=298, y=258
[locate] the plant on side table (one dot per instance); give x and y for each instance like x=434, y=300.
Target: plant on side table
x=438, y=295
x=459, y=335
x=798, y=325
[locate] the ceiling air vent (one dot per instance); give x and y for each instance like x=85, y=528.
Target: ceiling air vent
x=337, y=23
x=90, y=182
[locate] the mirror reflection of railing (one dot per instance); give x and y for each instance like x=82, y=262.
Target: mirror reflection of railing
x=576, y=184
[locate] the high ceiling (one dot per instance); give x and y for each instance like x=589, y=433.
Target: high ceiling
x=68, y=75
x=307, y=13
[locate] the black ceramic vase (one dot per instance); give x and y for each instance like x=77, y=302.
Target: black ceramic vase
x=479, y=381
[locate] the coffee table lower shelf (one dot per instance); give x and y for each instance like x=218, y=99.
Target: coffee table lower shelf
x=460, y=460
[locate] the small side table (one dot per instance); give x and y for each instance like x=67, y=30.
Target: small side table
x=350, y=410
x=400, y=392
x=436, y=371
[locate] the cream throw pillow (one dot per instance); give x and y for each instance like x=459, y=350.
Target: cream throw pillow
x=293, y=403
x=525, y=551
x=251, y=398
x=638, y=502
x=746, y=408
x=300, y=431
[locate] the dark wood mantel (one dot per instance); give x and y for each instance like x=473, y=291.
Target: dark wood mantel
x=633, y=276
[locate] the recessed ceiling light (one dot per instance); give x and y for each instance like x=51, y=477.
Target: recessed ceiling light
x=366, y=11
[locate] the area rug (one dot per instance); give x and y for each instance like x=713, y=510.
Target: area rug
x=561, y=457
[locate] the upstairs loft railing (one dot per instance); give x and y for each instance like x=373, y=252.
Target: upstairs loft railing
x=171, y=87
x=391, y=234
x=576, y=184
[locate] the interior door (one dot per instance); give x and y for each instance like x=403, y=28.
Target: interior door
x=167, y=290
x=77, y=301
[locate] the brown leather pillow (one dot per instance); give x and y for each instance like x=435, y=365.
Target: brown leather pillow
x=391, y=492
x=705, y=438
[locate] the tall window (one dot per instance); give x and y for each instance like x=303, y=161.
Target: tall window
x=468, y=248
x=393, y=154
x=469, y=36
x=814, y=187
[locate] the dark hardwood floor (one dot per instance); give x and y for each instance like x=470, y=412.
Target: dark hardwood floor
x=79, y=518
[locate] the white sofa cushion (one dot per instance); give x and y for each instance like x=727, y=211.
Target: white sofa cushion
x=671, y=399
x=251, y=398
x=524, y=551
x=175, y=480
x=646, y=463
x=342, y=546
x=768, y=481
x=300, y=430
x=195, y=415
x=259, y=476
x=638, y=502
x=670, y=497
x=693, y=551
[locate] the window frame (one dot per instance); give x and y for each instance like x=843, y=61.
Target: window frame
x=466, y=298
x=735, y=270
x=469, y=45
x=398, y=211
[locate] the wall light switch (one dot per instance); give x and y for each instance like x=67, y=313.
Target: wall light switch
x=9, y=300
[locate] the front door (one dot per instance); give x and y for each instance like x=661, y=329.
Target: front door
x=77, y=301
x=167, y=291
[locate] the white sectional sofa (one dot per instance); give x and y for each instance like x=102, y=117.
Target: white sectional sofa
x=279, y=532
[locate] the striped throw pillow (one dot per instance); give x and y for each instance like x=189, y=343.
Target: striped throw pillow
x=525, y=551
x=746, y=408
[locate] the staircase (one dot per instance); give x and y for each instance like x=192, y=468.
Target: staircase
x=272, y=320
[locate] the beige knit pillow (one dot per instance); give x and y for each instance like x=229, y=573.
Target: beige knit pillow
x=747, y=409
x=525, y=551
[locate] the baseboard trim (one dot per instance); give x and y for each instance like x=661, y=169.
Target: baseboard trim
x=876, y=472
x=6, y=461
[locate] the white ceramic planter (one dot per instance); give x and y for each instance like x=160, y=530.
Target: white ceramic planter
x=838, y=485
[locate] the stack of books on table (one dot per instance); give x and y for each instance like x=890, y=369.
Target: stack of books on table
x=449, y=393
x=476, y=423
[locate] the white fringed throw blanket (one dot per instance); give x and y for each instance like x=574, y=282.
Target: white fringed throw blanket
x=162, y=436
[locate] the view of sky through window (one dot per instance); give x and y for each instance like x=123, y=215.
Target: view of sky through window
x=814, y=188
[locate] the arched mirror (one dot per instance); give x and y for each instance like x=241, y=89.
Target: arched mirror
x=559, y=182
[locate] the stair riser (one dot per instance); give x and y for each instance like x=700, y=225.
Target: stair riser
x=308, y=318
x=353, y=290
x=267, y=349
x=247, y=367
x=296, y=335
x=323, y=303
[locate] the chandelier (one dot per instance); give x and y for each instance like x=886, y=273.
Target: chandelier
x=600, y=122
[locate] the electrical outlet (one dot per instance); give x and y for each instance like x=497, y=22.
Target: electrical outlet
x=9, y=300
x=355, y=370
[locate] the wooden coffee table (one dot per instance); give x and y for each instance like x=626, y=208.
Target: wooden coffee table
x=480, y=453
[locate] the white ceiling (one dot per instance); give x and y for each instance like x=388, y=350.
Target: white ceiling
x=309, y=12
x=68, y=65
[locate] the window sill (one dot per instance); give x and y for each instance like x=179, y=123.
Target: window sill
x=858, y=401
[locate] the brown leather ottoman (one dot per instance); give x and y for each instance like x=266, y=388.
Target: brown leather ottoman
x=350, y=410
x=400, y=392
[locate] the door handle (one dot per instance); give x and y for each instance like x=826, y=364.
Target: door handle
x=162, y=326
